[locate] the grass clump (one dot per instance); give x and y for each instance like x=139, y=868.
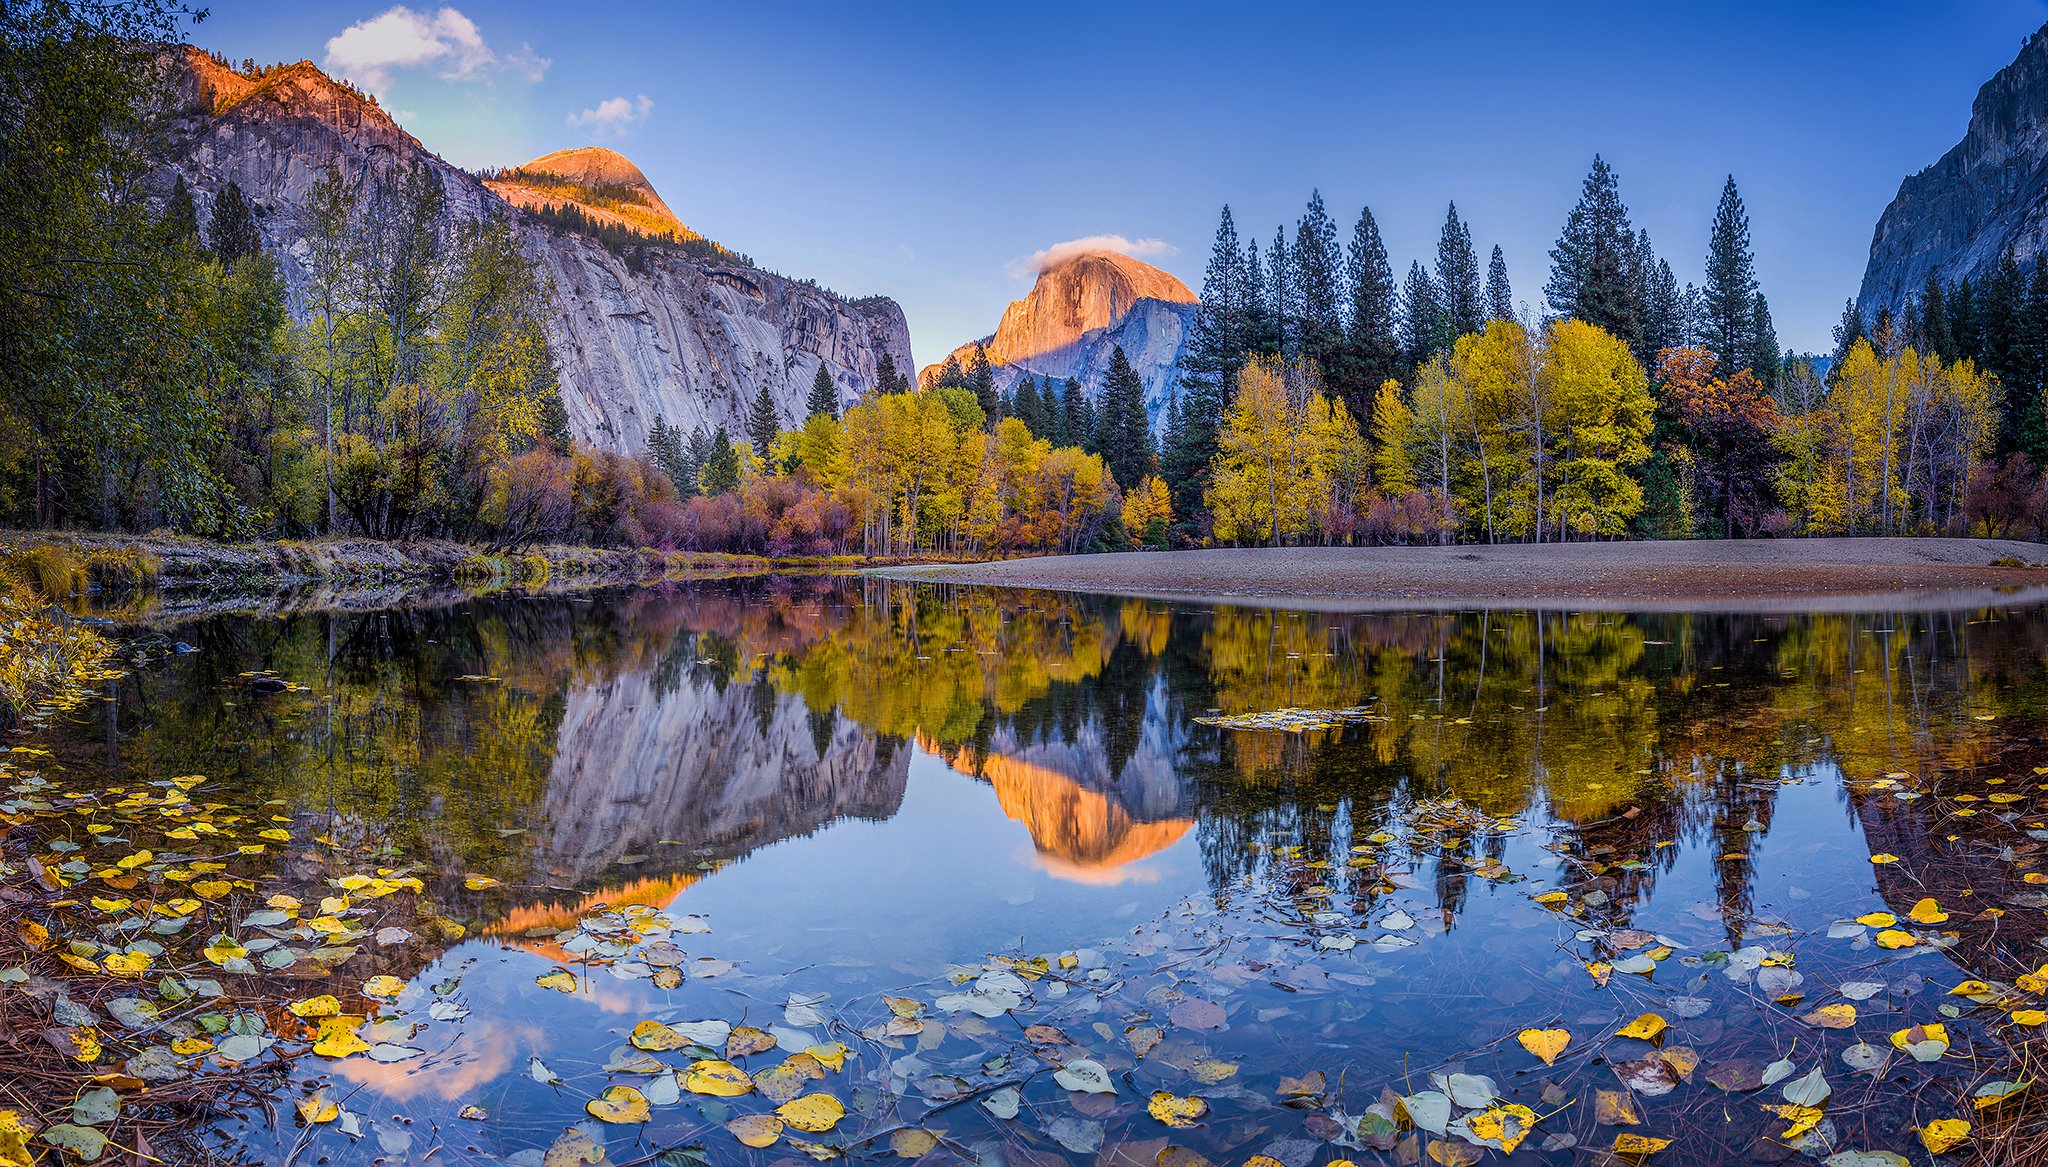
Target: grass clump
x=48, y=660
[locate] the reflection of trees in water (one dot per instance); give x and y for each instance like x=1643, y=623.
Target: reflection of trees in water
x=1629, y=729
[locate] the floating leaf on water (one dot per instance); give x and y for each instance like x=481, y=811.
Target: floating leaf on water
x=1643, y=1028
x=561, y=981
x=815, y=1113
x=618, y=1104
x=1143, y=1038
x=1865, y=1159
x=1863, y=1057
x=1944, y=1135
x=1992, y=1093
x=1778, y=1071
x=755, y=1130
x=1546, y=1044
x=1428, y=1110
x=1926, y=1043
x=1003, y=1103
x=1197, y=1013
x=1927, y=912
x=1799, y=1119
x=1086, y=1076
x=383, y=987
x=1450, y=1154
x=1811, y=1090
x=1614, y=1108
x=1737, y=1075
x=1176, y=1111
x=1861, y=990
x=1837, y=1016
x=653, y=1035
x=721, y=1079
x=743, y=1040
x=1634, y=1144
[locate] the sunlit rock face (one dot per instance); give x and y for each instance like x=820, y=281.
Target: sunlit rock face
x=1078, y=312
x=718, y=772
x=1990, y=192
x=692, y=340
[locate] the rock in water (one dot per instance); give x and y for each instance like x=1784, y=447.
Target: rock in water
x=1082, y=307
x=1957, y=217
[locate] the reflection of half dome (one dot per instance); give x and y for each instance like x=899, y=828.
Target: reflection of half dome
x=655, y=892
x=1080, y=835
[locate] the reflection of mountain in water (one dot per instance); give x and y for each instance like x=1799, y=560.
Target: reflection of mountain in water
x=1089, y=817
x=716, y=769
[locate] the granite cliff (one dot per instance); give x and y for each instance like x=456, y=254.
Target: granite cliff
x=1076, y=315
x=674, y=332
x=1990, y=192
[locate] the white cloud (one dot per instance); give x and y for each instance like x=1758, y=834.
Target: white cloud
x=1042, y=261
x=369, y=51
x=612, y=117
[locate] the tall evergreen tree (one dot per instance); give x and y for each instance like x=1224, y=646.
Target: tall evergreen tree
x=1848, y=330
x=1765, y=361
x=721, y=473
x=1261, y=333
x=889, y=379
x=1658, y=318
x=1123, y=433
x=982, y=379
x=1457, y=276
x=762, y=422
x=1730, y=291
x=1225, y=323
x=1421, y=310
x=1500, y=295
x=1591, y=273
x=824, y=394
x=1934, y=335
x=1961, y=312
x=1283, y=312
x=1316, y=271
x=232, y=233
x=1372, y=353
x=181, y=217
x=1075, y=426
x=1188, y=453
x=951, y=375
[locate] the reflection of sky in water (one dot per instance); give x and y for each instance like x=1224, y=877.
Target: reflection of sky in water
x=849, y=829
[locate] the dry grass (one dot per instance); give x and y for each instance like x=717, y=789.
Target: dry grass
x=46, y=657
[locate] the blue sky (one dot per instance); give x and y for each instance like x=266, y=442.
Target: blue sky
x=925, y=151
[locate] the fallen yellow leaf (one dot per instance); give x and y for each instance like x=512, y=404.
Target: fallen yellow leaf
x=1175, y=1111
x=1545, y=1043
x=1643, y=1028
x=620, y=1104
x=815, y=1113
x=1943, y=1135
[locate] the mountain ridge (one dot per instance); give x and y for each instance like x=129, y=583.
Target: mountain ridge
x=1955, y=218
x=1076, y=315
x=637, y=333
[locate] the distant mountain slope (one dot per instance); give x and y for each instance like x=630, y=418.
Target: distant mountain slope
x=1957, y=217
x=601, y=183
x=661, y=330
x=1075, y=316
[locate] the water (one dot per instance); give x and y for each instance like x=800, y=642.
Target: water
x=857, y=788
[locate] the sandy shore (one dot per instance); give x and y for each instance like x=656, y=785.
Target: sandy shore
x=1744, y=573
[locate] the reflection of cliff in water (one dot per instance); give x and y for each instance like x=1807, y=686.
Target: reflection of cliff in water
x=1090, y=817
x=716, y=770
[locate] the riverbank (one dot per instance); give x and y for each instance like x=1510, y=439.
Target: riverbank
x=1736, y=572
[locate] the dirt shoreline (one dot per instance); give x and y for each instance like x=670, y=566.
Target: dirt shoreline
x=1748, y=574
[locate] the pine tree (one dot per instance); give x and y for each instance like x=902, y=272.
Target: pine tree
x=1420, y=309
x=1224, y=325
x=951, y=375
x=2030, y=370
x=1283, y=312
x=1261, y=332
x=1075, y=427
x=762, y=422
x=1848, y=330
x=824, y=394
x=1319, y=324
x=1961, y=313
x=721, y=464
x=1658, y=320
x=1500, y=296
x=1591, y=273
x=1730, y=290
x=232, y=234
x=1457, y=276
x=1189, y=452
x=1125, y=438
x=181, y=217
x=1372, y=352
x=982, y=379
x=1765, y=361
x=1934, y=334
x=888, y=379
x=665, y=446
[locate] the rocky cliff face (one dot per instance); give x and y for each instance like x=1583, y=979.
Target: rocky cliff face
x=1078, y=312
x=1990, y=192
x=690, y=339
